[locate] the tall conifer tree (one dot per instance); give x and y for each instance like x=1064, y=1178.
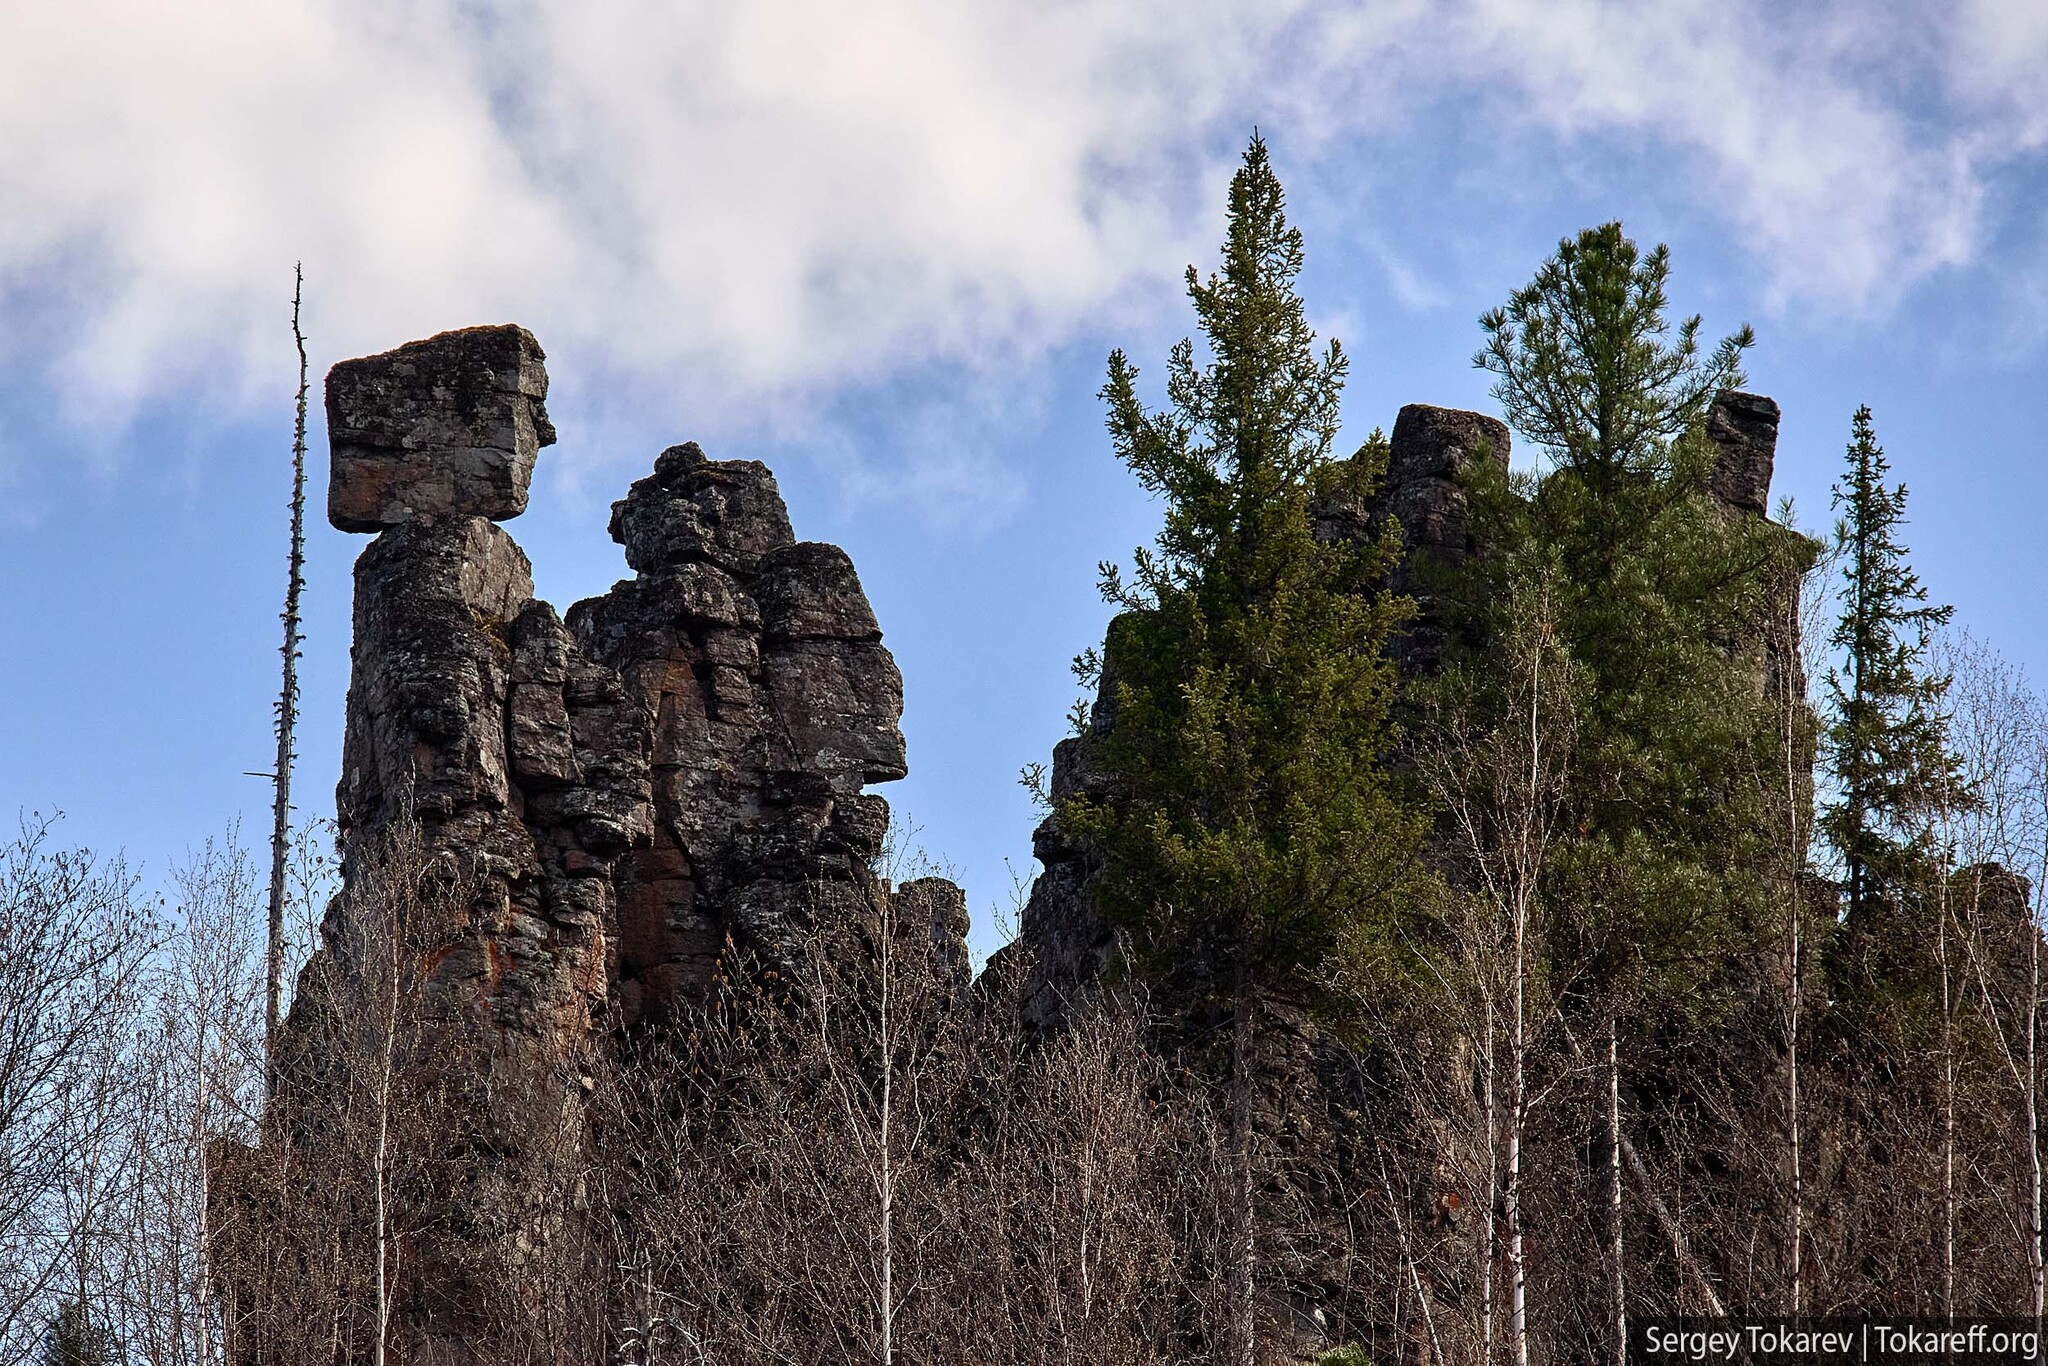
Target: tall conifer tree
x=1584, y=368
x=1887, y=747
x=1254, y=831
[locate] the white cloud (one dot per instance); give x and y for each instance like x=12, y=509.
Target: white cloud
x=1802, y=147
x=731, y=201
x=1995, y=65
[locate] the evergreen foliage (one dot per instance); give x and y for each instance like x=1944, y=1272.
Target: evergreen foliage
x=1248, y=677
x=1656, y=591
x=1886, y=741
x=1584, y=368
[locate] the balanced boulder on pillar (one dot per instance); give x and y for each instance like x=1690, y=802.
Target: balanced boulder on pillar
x=449, y=425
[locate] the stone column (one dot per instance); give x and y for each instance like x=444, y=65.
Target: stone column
x=491, y=777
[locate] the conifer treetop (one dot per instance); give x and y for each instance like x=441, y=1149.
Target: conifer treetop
x=1584, y=366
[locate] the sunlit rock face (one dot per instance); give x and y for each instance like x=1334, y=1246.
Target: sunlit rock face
x=447, y=426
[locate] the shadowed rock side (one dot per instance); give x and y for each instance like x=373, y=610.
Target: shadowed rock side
x=1745, y=428
x=774, y=704
x=546, y=831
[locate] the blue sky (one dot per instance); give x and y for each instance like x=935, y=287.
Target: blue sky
x=886, y=251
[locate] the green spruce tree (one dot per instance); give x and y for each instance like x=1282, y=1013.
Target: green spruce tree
x=1254, y=833
x=1886, y=739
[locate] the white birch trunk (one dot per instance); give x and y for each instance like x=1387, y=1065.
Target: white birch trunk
x=1614, y=1193
x=1948, y=1116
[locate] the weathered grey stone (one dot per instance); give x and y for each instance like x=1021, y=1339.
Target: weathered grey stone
x=1432, y=453
x=1745, y=428
x=809, y=591
x=446, y=426
x=478, y=730
x=726, y=513
x=931, y=921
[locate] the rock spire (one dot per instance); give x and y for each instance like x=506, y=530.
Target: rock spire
x=549, y=832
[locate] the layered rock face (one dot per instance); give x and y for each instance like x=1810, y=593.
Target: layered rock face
x=549, y=832
x=1745, y=429
x=491, y=777
x=450, y=425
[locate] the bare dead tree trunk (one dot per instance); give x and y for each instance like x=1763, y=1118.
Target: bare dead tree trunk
x=1436, y=1347
x=1668, y=1222
x=287, y=706
x=1518, y=1284
x=2033, y=1096
x=1795, y=1215
x=380, y=1173
x=2032, y=1089
x=1502, y=781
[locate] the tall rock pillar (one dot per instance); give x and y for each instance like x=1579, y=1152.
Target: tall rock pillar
x=434, y=1068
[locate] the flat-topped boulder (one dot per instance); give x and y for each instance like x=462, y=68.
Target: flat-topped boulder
x=449, y=426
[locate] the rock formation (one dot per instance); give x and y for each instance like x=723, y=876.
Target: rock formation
x=1431, y=459
x=553, y=831
x=548, y=832
x=1744, y=427
x=774, y=703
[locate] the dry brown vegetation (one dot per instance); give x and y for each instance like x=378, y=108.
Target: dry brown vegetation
x=858, y=1157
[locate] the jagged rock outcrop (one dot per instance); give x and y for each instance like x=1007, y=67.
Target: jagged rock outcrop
x=449, y=425
x=491, y=777
x=1431, y=460
x=931, y=916
x=774, y=705
x=549, y=831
